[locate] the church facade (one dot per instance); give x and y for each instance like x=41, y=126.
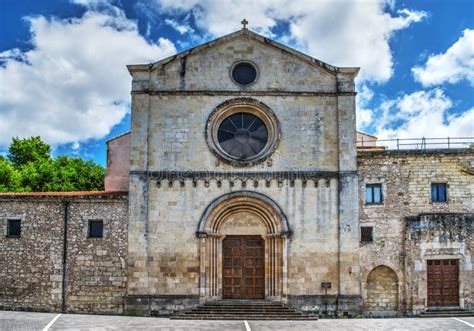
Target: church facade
x=243, y=180
x=221, y=166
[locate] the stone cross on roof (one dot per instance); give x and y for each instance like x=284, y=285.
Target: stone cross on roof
x=244, y=23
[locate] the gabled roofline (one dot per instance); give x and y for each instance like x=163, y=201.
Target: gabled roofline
x=366, y=134
x=117, y=137
x=330, y=68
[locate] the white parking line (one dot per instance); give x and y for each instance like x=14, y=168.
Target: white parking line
x=460, y=320
x=46, y=328
x=247, y=326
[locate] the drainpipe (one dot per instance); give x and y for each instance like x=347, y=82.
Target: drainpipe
x=339, y=188
x=63, y=292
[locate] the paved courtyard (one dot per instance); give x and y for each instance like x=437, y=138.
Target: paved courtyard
x=11, y=321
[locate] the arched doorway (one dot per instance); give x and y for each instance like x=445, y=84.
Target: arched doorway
x=382, y=292
x=243, y=248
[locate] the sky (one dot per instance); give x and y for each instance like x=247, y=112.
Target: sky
x=63, y=63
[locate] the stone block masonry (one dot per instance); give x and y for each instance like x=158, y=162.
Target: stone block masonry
x=32, y=265
x=309, y=111
x=403, y=244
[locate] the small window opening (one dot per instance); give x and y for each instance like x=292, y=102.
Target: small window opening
x=13, y=228
x=366, y=233
x=438, y=192
x=96, y=229
x=373, y=193
x=244, y=73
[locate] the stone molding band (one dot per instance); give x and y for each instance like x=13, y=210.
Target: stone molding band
x=245, y=93
x=242, y=176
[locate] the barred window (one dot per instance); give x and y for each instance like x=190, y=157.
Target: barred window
x=373, y=193
x=13, y=228
x=366, y=233
x=438, y=192
x=96, y=229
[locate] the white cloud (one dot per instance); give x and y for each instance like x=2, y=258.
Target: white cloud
x=181, y=28
x=456, y=64
x=73, y=84
x=14, y=53
x=423, y=114
x=341, y=33
x=364, y=115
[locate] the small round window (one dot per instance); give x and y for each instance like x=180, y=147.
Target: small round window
x=242, y=135
x=244, y=73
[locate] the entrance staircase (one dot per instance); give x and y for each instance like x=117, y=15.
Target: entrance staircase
x=447, y=312
x=243, y=310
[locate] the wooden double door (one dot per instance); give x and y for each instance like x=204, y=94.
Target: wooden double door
x=243, y=267
x=443, y=283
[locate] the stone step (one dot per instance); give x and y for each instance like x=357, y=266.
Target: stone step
x=240, y=302
x=245, y=317
x=240, y=311
x=251, y=306
x=243, y=307
x=448, y=313
x=243, y=312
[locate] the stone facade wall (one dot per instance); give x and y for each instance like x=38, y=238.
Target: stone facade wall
x=315, y=108
x=31, y=266
x=172, y=248
x=177, y=138
x=96, y=270
x=406, y=178
x=171, y=104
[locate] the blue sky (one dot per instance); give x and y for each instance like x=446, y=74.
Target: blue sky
x=63, y=75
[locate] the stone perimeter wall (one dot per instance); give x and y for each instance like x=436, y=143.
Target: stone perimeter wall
x=31, y=266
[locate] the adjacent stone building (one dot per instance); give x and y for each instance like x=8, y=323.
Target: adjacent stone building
x=419, y=238
x=53, y=262
x=245, y=181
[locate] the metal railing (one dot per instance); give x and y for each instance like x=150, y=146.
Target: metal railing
x=418, y=143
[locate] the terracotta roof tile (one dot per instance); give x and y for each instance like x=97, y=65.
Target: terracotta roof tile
x=65, y=194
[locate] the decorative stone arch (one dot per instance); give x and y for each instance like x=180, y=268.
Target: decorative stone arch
x=381, y=292
x=263, y=217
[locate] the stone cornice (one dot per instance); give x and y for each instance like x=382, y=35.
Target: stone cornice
x=58, y=199
x=243, y=93
x=243, y=176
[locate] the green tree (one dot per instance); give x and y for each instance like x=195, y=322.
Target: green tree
x=9, y=177
x=33, y=149
x=75, y=174
x=37, y=176
x=29, y=167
